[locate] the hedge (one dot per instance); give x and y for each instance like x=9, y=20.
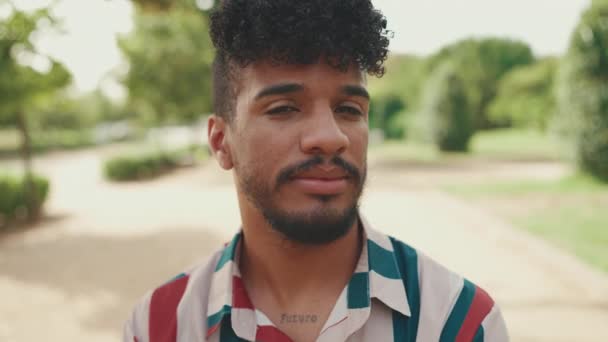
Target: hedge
x=13, y=204
x=583, y=92
x=150, y=164
x=447, y=110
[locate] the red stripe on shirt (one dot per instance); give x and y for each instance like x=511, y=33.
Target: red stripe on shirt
x=162, y=325
x=480, y=307
x=212, y=330
x=240, y=299
x=268, y=333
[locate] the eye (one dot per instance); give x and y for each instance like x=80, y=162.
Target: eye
x=281, y=110
x=349, y=110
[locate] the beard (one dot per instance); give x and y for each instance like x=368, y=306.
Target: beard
x=318, y=226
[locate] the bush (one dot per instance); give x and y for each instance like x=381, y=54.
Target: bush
x=482, y=64
x=13, y=204
x=446, y=108
x=137, y=167
x=397, y=127
x=387, y=113
x=583, y=91
x=151, y=164
x=61, y=140
x=525, y=96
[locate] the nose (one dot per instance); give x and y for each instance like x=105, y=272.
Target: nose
x=323, y=135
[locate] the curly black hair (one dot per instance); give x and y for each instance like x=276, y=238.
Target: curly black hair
x=343, y=32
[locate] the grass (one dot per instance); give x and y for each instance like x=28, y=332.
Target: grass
x=396, y=150
x=581, y=228
x=505, y=144
x=515, y=144
x=578, y=184
x=570, y=212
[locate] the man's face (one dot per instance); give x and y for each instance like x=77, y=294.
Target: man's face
x=298, y=144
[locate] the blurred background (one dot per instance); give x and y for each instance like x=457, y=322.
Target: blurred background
x=488, y=151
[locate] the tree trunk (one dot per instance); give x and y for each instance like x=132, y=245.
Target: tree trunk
x=31, y=197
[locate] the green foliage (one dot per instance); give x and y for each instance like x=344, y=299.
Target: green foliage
x=27, y=89
x=59, y=113
x=138, y=167
x=151, y=164
x=61, y=140
x=170, y=56
x=397, y=126
x=525, y=96
x=76, y=113
x=46, y=140
x=404, y=77
x=95, y=107
x=516, y=145
x=482, y=63
x=446, y=108
x=21, y=86
x=13, y=204
x=155, y=5
x=396, y=95
x=583, y=91
x=383, y=113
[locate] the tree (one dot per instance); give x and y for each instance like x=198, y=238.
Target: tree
x=155, y=5
x=445, y=105
x=170, y=56
x=21, y=86
x=396, y=95
x=525, y=97
x=583, y=91
x=482, y=63
x=382, y=112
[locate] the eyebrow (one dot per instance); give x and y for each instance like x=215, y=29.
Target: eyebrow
x=355, y=90
x=279, y=89
x=286, y=88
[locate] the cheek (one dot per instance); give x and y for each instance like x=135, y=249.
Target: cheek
x=358, y=136
x=263, y=152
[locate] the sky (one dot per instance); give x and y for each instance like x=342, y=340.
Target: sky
x=88, y=44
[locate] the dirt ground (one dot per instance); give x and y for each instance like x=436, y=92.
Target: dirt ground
x=76, y=275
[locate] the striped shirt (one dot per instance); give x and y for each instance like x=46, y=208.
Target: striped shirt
x=395, y=294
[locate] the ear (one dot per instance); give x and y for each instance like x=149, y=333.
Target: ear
x=218, y=141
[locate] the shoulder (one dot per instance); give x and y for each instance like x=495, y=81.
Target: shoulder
x=446, y=306
x=156, y=313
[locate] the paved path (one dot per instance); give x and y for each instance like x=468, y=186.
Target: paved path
x=76, y=276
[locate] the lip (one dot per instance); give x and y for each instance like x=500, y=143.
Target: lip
x=321, y=186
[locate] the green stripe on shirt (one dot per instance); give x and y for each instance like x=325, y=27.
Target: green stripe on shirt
x=381, y=261
x=217, y=317
x=228, y=253
x=227, y=334
x=406, y=328
x=358, y=291
x=459, y=312
x=479, y=336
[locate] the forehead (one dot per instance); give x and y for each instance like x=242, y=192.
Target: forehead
x=319, y=75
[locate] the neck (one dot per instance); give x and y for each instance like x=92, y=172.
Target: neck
x=291, y=271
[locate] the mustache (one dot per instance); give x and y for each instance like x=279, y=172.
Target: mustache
x=290, y=171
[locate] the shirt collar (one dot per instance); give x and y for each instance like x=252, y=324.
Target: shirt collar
x=385, y=280
x=376, y=276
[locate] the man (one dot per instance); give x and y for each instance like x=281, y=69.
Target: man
x=291, y=121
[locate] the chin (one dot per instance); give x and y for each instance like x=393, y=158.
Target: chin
x=320, y=224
